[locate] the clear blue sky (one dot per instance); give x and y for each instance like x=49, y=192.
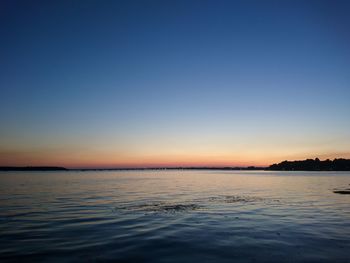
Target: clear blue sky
x=141, y=83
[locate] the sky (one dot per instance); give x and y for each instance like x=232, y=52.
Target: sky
x=173, y=83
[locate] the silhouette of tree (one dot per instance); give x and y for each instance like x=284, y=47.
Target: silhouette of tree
x=313, y=165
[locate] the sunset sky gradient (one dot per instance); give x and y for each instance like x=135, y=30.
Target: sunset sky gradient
x=173, y=83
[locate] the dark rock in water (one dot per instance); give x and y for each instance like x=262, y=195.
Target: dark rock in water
x=342, y=192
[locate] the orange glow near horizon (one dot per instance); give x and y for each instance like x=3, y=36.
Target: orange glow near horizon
x=111, y=150
x=132, y=163
x=91, y=160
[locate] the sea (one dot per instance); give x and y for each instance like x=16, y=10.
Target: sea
x=174, y=216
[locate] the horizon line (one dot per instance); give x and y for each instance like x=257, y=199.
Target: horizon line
x=154, y=167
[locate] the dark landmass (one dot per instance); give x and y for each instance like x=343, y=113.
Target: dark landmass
x=32, y=168
x=312, y=165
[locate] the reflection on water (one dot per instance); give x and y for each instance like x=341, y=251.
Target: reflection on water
x=175, y=216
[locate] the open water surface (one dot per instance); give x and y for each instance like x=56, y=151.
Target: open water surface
x=174, y=216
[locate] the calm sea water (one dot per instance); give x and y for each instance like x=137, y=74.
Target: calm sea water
x=174, y=216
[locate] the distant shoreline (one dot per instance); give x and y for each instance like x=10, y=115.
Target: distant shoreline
x=49, y=168
x=304, y=165
x=33, y=168
x=339, y=164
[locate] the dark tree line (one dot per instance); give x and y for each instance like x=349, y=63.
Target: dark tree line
x=313, y=165
x=32, y=168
